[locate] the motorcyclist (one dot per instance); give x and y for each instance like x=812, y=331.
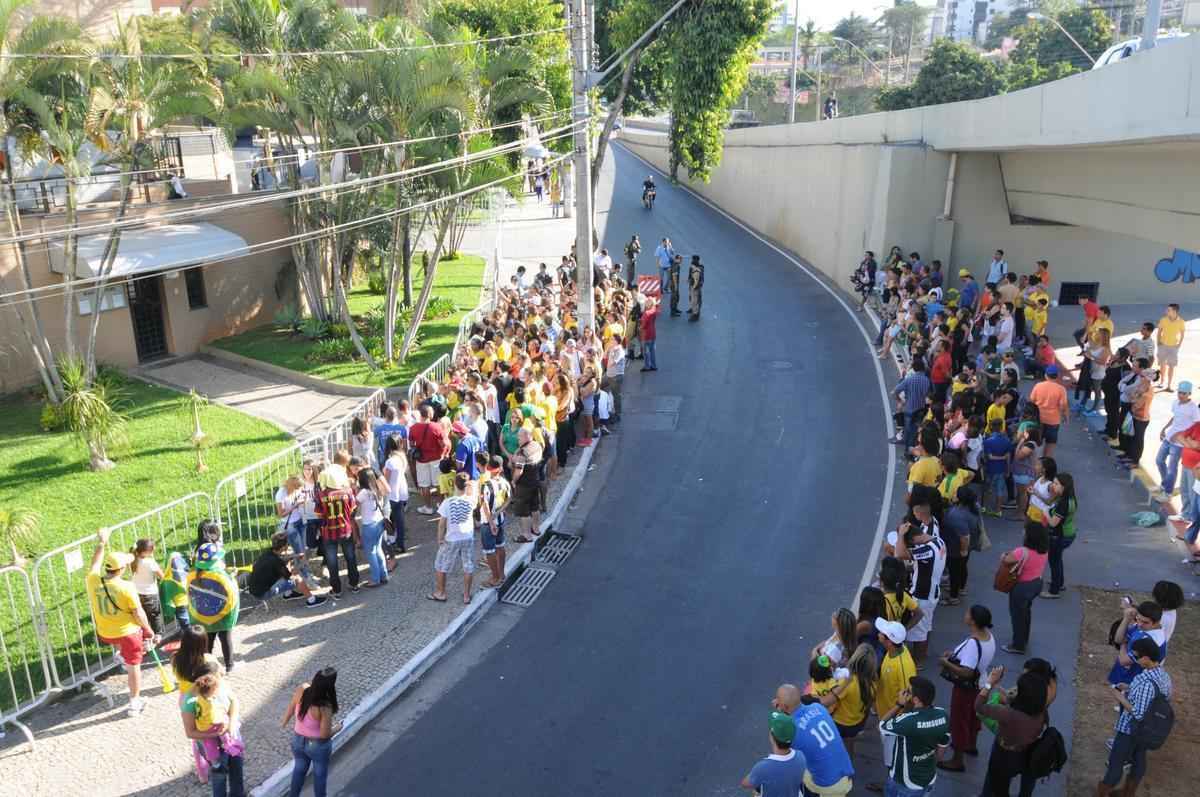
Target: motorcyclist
x=648, y=187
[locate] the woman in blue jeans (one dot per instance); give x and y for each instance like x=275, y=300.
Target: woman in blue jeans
x=311, y=713
x=372, y=503
x=1030, y=562
x=1061, y=523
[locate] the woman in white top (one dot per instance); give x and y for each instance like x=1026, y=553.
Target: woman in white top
x=362, y=442
x=1040, y=495
x=842, y=642
x=1169, y=596
x=290, y=501
x=395, y=471
x=146, y=575
x=964, y=667
x=372, y=499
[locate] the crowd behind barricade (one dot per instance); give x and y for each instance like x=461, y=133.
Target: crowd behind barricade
x=977, y=446
x=526, y=387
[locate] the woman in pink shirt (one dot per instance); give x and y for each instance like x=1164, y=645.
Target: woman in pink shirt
x=310, y=713
x=1030, y=561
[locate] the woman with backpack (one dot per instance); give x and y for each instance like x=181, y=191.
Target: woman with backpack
x=1020, y=723
x=962, y=667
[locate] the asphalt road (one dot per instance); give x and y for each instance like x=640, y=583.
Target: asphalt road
x=713, y=557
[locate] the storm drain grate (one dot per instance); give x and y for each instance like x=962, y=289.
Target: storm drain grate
x=526, y=589
x=557, y=549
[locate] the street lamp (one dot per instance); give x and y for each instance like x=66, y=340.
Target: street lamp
x=1043, y=17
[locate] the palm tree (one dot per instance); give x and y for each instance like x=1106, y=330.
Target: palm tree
x=92, y=412
x=808, y=40
x=18, y=527
x=42, y=35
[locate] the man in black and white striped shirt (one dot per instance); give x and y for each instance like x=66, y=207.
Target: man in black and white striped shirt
x=920, y=544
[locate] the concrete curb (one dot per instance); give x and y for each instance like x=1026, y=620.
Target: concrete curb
x=390, y=690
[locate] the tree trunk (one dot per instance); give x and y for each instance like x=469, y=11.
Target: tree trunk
x=406, y=260
x=431, y=264
x=606, y=131
x=98, y=457
x=106, y=266
x=71, y=266
x=389, y=313
x=39, y=344
x=339, y=290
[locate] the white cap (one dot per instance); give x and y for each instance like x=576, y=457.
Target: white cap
x=892, y=630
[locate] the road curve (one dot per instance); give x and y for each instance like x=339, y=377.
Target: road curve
x=722, y=541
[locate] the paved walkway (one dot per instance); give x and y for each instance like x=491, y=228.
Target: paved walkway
x=297, y=409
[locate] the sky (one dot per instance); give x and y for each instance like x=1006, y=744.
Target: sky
x=826, y=13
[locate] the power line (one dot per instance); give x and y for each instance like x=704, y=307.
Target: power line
x=286, y=157
x=13, y=298
x=282, y=53
x=273, y=196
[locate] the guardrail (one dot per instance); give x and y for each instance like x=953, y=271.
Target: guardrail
x=338, y=435
x=27, y=680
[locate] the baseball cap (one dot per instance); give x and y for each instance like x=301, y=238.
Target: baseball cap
x=891, y=629
x=783, y=727
x=962, y=272
x=209, y=556
x=1051, y=370
x=460, y=428
x=117, y=560
x=1185, y=387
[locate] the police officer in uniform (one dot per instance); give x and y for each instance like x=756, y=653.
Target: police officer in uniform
x=673, y=283
x=632, y=250
x=695, y=288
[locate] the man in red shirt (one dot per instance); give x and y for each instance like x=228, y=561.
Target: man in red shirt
x=335, y=508
x=941, y=371
x=430, y=445
x=1091, y=311
x=649, y=330
x=1189, y=439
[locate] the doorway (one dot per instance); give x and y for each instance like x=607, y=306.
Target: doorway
x=146, y=310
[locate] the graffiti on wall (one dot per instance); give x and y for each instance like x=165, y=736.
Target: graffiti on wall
x=1183, y=265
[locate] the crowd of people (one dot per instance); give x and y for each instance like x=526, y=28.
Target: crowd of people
x=977, y=446
x=527, y=387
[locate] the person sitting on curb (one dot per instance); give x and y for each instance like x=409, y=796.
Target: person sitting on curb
x=120, y=619
x=272, y=575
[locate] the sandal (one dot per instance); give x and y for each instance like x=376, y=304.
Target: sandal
x=523, y=539
x=435, y=598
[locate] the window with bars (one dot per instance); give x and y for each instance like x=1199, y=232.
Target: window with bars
x=197, y=296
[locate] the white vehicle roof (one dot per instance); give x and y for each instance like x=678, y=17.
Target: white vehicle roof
x=1128, y=47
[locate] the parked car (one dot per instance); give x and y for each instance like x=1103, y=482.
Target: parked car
x=1119, y=52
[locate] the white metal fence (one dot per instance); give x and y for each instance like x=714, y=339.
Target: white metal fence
x=26, y=680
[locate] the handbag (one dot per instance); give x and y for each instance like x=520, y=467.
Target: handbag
x=1007, y=575
x=970, y=682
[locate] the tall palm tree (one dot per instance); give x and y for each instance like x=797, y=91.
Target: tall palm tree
x=41, y=36
x=808, y=40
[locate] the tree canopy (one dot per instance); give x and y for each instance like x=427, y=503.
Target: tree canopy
x=952, y=72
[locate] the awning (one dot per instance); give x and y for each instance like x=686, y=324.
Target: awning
x=153, y=249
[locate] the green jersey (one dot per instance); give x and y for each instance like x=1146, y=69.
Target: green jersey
x=918, y=735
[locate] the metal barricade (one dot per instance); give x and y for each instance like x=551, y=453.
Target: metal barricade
x=245, y=503
x=74, y=651
x=435, y=373
x=338, y=435
x=26, y=681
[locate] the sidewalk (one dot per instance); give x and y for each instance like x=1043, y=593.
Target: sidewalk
x=297, y=409
x=1109, y=554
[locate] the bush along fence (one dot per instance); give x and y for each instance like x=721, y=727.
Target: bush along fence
x=48, y=641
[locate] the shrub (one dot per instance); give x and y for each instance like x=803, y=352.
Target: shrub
x=314, y=328
x=439, y=307
x=52, y=419
x=375, y=282
x=290, y=319
x=331, y=350
x=337, y=331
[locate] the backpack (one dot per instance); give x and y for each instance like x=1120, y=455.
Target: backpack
x=1048, y=754
x=1154, y=728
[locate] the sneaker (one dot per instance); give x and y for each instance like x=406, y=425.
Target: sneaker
x=136, y=705
x=1108, y=743
x=337, y=596
x=1010, y=504
x=1048, y=595
x=315, y=600
x=1114, y=443
x=291, y=595
x=425, y=510
x=354, y=589
x=1159, y=495
x=1012, y=650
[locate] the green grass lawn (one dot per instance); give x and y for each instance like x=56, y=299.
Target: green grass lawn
x=48, y=473
x=457, y=280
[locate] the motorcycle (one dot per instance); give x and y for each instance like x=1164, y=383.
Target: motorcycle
x=648, y=198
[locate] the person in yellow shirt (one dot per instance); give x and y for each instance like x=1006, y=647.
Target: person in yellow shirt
x=927, y=470
x=504, y=349
x=996, y=410
x=1037, y=314
x=118, y=614
x=897, y=666
x=956, y=476
x=820, y=674
x=1103, y=321
x=1171, y=330
x=850, y=701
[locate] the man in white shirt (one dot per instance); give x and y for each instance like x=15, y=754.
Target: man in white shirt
x=1184, y=413
x=997, y=268
x=1004, y=329
x=602, y=263
x=614, y=374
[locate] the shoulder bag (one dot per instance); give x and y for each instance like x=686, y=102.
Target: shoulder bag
x=1008, y=575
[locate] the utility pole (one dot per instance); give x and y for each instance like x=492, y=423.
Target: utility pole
x=795, y=51
x=581, y=59
x=1150, y=25
x=565, y=167
x=818, y=83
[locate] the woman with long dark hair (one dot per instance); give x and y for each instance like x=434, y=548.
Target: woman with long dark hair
x=871, y=606
x=842, y=642
x=1060, y=523
x=960, y=530
x=311, y=713
x=190, y=661
x=964, y=667
x=1029, y=562
x=1020, y=723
